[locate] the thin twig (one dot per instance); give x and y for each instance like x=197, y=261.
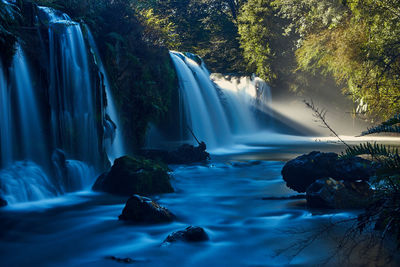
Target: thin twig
x=321, y=115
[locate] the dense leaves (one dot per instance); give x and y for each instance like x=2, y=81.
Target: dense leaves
x=207, y=28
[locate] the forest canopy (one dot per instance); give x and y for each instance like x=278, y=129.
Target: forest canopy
x=357, y=43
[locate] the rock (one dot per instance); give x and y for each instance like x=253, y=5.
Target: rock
x=190, y=234
x=302, y=171
x=3, y=202
x=122, y=260
x=329, y=193
x=185, y=154
x=135, y=175
x=354, y=169
x=140, y=209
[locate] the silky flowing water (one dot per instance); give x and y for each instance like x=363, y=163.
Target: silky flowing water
x=225, y=197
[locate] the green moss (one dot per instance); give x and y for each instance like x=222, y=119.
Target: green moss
x=135, y=175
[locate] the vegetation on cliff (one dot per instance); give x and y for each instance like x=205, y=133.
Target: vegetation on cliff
x=138, y=64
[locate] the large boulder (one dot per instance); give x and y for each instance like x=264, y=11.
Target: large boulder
x=302, y=171
x=135, y=175
x=140, y=209
x=329, y=193
x=190, y=234
x=185, y=154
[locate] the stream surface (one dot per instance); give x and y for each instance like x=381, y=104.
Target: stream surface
x=225, y=197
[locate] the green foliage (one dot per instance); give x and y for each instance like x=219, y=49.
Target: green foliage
x=356, y=42
x=207, y=28
x=257, y=35
x=158, y=30
x=384, y=213
x=9, y=19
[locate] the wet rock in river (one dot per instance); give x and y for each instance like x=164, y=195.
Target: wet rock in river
x=185, y=154
x=135, y=175
x=122, y=260
x=3, y=202
x=190, y=234
x=140, y=209
x=329, y=193
x=302, y=171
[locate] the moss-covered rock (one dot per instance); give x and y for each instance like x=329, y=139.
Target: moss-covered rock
x=135, y=175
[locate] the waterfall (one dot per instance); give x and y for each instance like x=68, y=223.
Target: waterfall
x=217, y=107
x=113, y=131
x=243, y=96
x=71, y=95
x=29, y=128
x=6, y=149
x=201, y=105
x=40, y=162
x=25, y=181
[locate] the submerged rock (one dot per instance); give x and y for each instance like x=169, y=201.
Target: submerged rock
x=122, y=260
x=3, y=202
x=329, y=193
x=135, y=175
x=185, y=154
x=190, y=234
x=140, y=209
x=302, y=171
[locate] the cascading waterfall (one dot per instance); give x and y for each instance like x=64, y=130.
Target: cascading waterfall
x=202, y=107
x=25, y=181
x=30, y=126
x=243, y=95
x=215, y=107
x=73, y=110
x=22, y=135
x=113, y=132
x=6, y=150
x=41, y=162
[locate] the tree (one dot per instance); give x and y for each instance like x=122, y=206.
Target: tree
x=266, y=49
x=356, y=42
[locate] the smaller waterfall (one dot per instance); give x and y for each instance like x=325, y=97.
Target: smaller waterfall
x=29, y=128
x=6, y=148
x=243, y=96
x=25, y=181
x=79, y=176
x=202, y=108
x=113, y=132
x=219, y=107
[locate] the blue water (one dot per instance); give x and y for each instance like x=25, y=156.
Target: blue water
x=224, y=197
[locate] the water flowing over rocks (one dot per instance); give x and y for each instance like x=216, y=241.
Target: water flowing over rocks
x=329, y=193
x=134, y=175
x=190, y=234
x=140, y=209
x=304, y=170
